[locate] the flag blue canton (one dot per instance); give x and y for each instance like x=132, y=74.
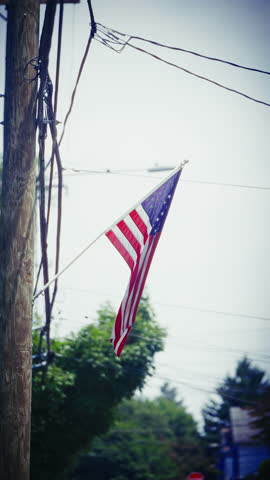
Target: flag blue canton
x=157, y=205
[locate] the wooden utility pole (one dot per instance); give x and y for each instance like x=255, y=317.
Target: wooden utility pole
x=17, y=240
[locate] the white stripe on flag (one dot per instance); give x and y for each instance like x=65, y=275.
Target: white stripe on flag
x=120, y=340
x=126, y=244
x=127, y=307
x=134, y=229
x=140, y=210
x=141, y=273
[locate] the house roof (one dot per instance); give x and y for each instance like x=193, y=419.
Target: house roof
x=242, y=429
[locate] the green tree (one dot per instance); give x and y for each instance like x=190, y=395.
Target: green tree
x=168, y=392
x=261, y=413
x=151, y=439
x=75, y=400
x=264, y=470
x=239, y=390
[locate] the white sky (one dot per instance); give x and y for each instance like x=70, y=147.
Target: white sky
x=132, y=112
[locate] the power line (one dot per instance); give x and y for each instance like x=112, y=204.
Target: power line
x=154, y=374
x=205, y=390
x=47, y=115
x=111, y=38
x=87, y=317
x=91, y=36
x=201, y=77
x=185, y=307
x=211, y=348
x=84, y=171
x=179, y=49
x=83, y=318
x=223, y=184
x=183, y=344
x=218, y=312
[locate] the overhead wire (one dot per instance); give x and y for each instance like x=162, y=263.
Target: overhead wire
x=198, y=376
x=179, y=49
x=218, y=312
x=223, y=184
x=204, y=389
x=113, y=39
x=47, y=116
x=210, y=348
x=57, y=77
x=93, y=30
x=172, y=380
x=182, y=306
x=184, y=343
x=85, y=171
x=81, y=320
x=44, y=93
x=55, y=152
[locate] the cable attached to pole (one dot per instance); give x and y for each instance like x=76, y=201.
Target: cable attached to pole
x=91, y=36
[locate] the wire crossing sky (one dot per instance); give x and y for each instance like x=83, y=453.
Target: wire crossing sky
x=110, y=38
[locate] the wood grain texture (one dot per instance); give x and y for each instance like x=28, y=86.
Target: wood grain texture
x=17, y=241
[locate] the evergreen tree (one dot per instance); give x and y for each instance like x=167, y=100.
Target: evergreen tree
x=240, y=390
x=261, y=413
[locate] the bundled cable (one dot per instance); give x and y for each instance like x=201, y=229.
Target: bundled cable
x=117, y=41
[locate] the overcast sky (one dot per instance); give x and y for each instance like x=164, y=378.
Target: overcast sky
x=132, y=112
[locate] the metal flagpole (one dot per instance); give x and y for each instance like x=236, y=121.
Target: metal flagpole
x=179, y=168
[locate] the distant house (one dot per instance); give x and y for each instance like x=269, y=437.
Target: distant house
x=240, y=453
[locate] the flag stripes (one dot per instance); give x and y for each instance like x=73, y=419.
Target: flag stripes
x=135, y=237
x=130, y=237
x=128, y=308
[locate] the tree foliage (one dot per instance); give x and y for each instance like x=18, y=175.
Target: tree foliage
x=151, y=439
x=240, y=390
x=264, y=470
x=261, y=414
x=75, y=400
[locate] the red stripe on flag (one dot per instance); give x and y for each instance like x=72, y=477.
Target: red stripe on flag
x=140, y=224
x=140, y=280
x=121, y=249
x=119, y=345
x=122, y=344
x=120, y=324
x=123, y=227
x=129, y=306
x=125, y=305
x=116, y=333
x=128, y=301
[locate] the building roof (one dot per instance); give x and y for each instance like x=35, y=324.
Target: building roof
x=242, y=429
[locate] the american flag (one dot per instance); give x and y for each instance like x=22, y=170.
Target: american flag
x=136, y=237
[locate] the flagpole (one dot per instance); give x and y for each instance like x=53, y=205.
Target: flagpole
x=179, y=168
